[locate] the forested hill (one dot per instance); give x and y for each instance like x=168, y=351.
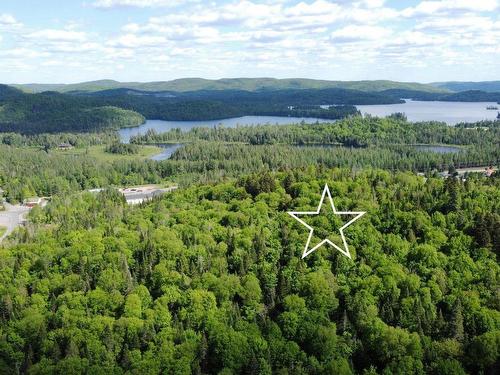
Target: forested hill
x=111, y=109
x=287, y=97
x=210, y=280
x=488, y=86
x=217, y=104
x=54, y=112
x=247, y=84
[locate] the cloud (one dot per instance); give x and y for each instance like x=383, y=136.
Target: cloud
x=9, y=21
x=263, y=36
x=134, y=41
x=57, y=35
x=432, y=8
x=353, y=33
x=25, y=53
x=108, y=4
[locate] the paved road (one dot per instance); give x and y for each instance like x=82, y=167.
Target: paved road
x=139, y=195
x=474, y=169
x=11, y=218
x=462, y=171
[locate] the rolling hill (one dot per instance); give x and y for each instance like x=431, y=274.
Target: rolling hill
x=488, y=86
x=55, y=112
x=247, y=84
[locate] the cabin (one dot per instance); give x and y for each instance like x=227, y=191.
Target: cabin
x=64, y=146
x=32, y=202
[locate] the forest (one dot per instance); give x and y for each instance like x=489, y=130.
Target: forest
x=31, y=165
x=354, y=131
x=53, y=112
x=105, y=110
x=209, y=280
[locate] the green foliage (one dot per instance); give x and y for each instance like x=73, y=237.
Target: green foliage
x=122, y=148
x=209, y=279
x=351, y=132
x=51, y=112
x=212, y=154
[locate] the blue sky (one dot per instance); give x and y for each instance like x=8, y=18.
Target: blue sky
x=145, y=40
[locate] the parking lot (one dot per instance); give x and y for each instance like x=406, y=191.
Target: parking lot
x=12, y=217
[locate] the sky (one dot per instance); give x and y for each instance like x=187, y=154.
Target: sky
x=53, y=41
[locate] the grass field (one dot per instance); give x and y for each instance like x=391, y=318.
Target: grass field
x=98, y=152
x=2, y=230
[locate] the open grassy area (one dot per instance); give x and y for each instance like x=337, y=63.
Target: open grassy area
x=2, y=230
x=99, y=153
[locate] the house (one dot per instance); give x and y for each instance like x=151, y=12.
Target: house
x=32, y=202
x=64, y=146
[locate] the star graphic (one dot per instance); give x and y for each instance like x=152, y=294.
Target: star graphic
x=345, y=250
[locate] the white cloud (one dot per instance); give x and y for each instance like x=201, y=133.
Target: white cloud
x=135, y=41
x=8, y=20
x=264, y=36
x=353, y=33
x=107, y=4
x=457, y=24
x=55, y=35
x=431, y=8
x=25, y=53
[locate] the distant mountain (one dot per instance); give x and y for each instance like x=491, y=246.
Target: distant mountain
x=488, y=86
x=8, y=92
x=472, y=96
x=247, y=84
x=294, y=97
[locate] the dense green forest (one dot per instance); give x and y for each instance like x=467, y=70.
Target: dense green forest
x=52, y=140
x=353, y=131
x=124, y=107
x=303, y=96
x=122, y=148
x=210, y=280
x=29, y=165
x=28, y=172
x=53, y=112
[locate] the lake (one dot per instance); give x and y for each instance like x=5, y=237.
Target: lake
x=449, y=112
x=168, y=150
x=161, y=126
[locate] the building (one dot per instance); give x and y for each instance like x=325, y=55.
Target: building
x=64, y=146
x=32, y=202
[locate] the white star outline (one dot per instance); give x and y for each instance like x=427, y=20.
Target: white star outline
x=344, y=251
